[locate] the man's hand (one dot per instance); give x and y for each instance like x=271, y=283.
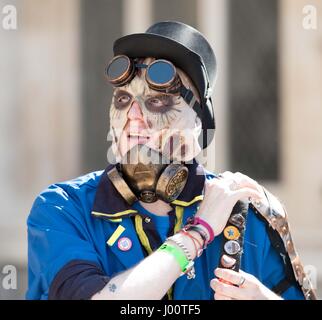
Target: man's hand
x=248, y=286
x=222, y=194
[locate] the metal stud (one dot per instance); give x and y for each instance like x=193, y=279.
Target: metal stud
x=238, y=220
x=227, y=262
x=147, y=219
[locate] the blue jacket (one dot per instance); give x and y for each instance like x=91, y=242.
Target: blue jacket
x=73, y=221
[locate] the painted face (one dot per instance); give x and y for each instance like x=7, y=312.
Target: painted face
x=163, y=122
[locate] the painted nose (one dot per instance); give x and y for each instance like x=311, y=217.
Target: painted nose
x=135, y=112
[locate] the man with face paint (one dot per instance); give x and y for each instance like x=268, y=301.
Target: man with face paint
x=156, y=224
x=144, y=119
x=141, y=115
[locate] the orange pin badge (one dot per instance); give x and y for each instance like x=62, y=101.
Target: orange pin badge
x=231, y=233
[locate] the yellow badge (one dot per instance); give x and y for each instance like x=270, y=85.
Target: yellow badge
x=231, y=233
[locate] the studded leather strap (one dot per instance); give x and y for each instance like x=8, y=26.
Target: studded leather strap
x=233, y=237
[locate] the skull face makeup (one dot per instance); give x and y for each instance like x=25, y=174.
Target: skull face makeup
x=163, y=122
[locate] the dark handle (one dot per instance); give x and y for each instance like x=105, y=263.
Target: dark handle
x=233, y=237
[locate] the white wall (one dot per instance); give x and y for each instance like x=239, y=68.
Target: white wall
x=301, y=102
x=39, y=131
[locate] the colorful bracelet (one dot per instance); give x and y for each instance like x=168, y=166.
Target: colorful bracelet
x=185, y=264
x=199, y=251
x=203, y=234
x=196, y=220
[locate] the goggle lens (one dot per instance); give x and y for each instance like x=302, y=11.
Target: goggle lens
x=117, y=68
x=161, y=72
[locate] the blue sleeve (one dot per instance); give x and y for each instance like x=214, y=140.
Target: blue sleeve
x=273, y=272
x=78, y=280
x=57, y=234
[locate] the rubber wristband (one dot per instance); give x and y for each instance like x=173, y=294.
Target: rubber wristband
x=181, y=258
x=196, y=220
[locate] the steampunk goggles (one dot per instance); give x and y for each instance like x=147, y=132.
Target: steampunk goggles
x=161, y=75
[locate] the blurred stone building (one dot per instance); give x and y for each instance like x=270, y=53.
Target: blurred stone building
x=54, y=102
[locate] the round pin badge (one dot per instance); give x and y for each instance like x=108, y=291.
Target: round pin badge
x=237, y=220
x=231, y=247
x=231, y=233
x=227, y=262
x=124, y=244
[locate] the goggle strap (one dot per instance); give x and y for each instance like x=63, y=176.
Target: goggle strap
x=193, y=101
x=190, y=99
x=186, y=94
x=197, y=108
x=141, y=65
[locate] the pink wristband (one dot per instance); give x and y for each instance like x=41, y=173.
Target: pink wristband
x=196, y=220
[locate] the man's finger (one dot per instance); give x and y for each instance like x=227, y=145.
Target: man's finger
x=229, y=275
x=242, y=180
x=219, y=296
x=245, y=193
x=228, y=290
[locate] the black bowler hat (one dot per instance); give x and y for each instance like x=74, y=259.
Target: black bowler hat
x=188, y=49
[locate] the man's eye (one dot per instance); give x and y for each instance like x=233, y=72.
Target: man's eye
x=122, y=99
x=156, y=102
x=159, y=104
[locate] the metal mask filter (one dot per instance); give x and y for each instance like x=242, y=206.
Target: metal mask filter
x=145, y=174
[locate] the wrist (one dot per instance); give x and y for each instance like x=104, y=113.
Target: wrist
x=183, y=248
x=197, y=235
x=204, y=231
x=187, y=242
x=197, y=241
x=203, y=227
